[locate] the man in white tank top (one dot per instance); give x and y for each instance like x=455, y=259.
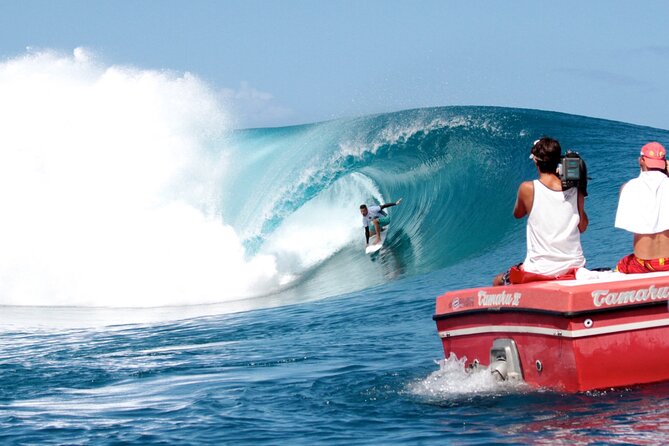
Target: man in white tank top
x=556, y=218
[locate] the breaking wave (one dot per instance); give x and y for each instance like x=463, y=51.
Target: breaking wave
x=125, y=187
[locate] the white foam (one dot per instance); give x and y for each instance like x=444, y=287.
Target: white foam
x=401, y=132
x=108, y=185
x=453, y=380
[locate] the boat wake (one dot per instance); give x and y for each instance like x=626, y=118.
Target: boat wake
x=454, y=382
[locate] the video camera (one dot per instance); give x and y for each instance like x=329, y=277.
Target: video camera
x=573, y=172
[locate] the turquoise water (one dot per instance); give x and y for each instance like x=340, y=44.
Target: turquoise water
x=335, y=347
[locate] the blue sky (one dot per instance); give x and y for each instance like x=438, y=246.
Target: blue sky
x=287, y=62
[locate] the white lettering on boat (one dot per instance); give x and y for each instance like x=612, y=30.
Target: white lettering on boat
x=603, y=297
x=496, y=300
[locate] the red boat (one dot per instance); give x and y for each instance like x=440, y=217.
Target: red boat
x=570, y=336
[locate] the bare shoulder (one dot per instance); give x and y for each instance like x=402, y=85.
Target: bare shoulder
x=526, y=187
x=525, y=199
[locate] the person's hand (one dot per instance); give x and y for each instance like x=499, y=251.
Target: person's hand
x=398, y=202
x=378, y=240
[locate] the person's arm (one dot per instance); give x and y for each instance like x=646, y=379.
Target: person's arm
x=524, y=199
x=583, y=217
x=387, y=205
x=367, y=235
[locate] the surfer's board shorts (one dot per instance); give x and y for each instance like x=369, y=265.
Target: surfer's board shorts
x=383, y=221
x=517, y=275
x=631, y=264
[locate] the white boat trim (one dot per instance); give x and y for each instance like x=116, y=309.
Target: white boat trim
x=580, y=333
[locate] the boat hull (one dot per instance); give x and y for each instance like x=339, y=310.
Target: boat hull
x=570, y=336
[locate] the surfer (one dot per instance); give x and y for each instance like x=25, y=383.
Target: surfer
x=556, y=218
x=376, y=216
x=643, y=209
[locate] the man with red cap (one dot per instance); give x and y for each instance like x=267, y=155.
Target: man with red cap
x=643, y=209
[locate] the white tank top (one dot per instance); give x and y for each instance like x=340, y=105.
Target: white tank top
x=553, y=238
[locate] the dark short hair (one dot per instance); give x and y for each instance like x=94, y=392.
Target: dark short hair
x=547, y=152
x=363, y=206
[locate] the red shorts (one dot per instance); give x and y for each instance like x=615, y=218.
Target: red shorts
x=518, y=275
x=631, y=264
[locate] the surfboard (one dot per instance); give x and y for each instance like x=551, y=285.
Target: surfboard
x=375, y=247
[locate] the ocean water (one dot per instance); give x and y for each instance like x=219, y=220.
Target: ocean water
x=165, y=279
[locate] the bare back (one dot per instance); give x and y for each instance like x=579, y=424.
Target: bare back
x=651, y=246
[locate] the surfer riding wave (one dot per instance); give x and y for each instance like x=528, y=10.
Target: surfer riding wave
x=376, y=217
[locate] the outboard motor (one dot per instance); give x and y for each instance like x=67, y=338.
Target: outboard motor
x=504, y=361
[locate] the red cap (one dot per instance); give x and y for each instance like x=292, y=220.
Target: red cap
x=654, y=154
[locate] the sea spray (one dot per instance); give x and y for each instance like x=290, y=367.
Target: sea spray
x=453, y=380
x=109, y=182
